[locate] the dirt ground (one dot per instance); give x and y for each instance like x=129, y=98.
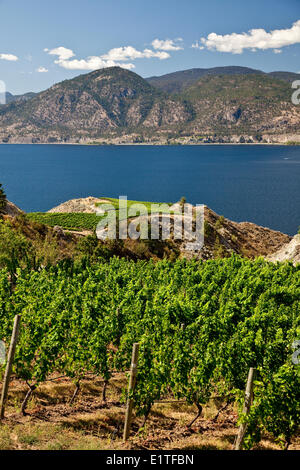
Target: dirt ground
x=52, y=423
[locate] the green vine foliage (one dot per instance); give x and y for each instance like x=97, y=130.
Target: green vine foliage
x=200, y=326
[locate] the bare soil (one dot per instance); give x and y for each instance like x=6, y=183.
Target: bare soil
x=52, y=423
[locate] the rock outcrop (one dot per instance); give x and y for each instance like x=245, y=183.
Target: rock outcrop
x=288, y=252
x=222, y=237
x=85, y=205
x=11, y=209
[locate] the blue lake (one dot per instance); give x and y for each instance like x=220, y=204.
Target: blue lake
x=259, y=184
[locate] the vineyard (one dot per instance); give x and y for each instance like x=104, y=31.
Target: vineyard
x=68, y=221
x=86, y=221
x=200, y=326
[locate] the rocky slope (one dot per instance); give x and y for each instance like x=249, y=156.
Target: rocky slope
x=242, y=104
x=222, y=236
x=114, y=105
x=85, y=205
x=91, y=105
x=288, y=252
x=10, y=209
x=11, y=98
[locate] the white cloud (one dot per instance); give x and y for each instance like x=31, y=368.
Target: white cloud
x=115, y=57
x=91, y=63
x=9, y=57
x=42, y=70
x=196, y=45
x=130, y=53
x=277, y=51
x=62, y=52
x=255, y=39
x=167, y=44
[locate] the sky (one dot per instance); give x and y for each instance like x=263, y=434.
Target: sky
x=44, y=42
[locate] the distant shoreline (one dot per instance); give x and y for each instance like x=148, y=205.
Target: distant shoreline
x=145, y=144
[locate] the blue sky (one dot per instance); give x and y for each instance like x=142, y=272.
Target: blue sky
x=43, y=42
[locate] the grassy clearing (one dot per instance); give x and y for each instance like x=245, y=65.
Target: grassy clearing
x=147, y=204
x=53, y=424
x=146, y=210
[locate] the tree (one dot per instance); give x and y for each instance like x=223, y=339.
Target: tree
x=15, y=251
x=2, y=198
x=182, y=201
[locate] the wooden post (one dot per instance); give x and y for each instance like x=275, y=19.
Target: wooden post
x=10, y=359
x=131, y=387
x=246, y=408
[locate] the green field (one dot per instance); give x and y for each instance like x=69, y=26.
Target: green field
x=68, y=221
x=80, y=220
x=147, y=204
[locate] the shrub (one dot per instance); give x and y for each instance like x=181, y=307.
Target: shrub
x=220, y=222
x=15, y=251
x=2, y=198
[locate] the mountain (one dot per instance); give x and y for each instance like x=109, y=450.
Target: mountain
x=242, y=104
x=11, y=98
x=286, y=76
x=95, y=104
x=114, y=105
x=177, y=82
x=8, y=97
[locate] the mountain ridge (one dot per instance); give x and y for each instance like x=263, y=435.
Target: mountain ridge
x=25, y=96
x=114, y=105
x=176, y=82
x=233, y=69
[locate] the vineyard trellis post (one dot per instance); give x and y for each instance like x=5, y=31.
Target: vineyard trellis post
x=246, y=408
x=9, y=363
x=131, y=387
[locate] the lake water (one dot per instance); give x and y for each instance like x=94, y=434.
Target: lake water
x=259, y=184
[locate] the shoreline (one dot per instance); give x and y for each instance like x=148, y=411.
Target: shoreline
x=145, y=144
